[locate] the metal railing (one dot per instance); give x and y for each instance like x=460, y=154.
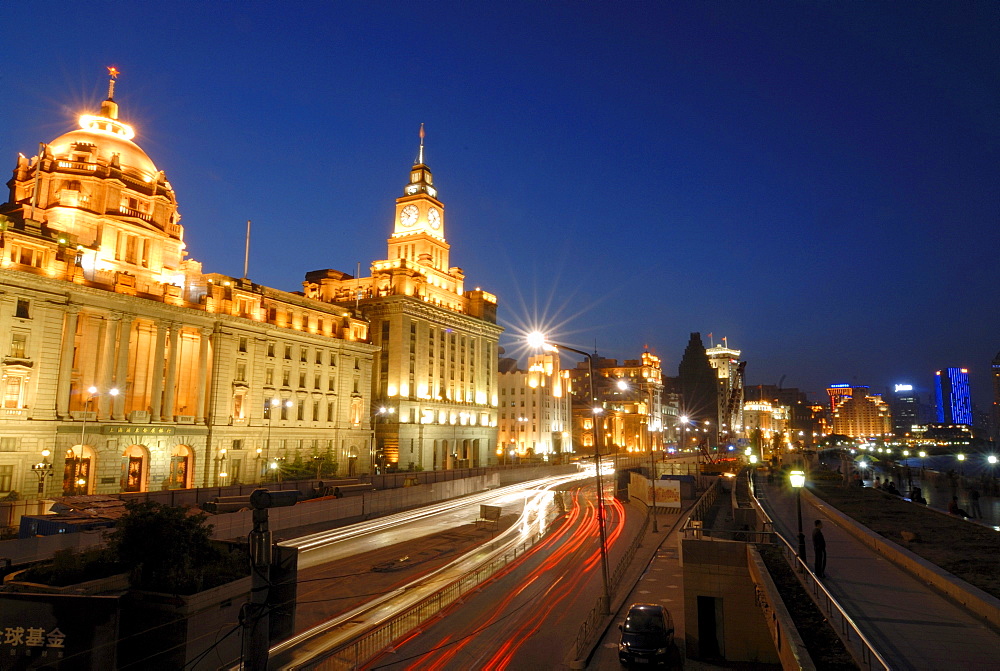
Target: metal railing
x=857, y=644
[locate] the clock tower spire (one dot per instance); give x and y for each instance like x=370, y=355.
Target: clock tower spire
x=418, y=234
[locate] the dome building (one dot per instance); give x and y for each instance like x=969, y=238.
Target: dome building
x=125, y=368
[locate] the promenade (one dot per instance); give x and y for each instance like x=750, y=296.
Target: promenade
x=913, y=626
x=938, y=489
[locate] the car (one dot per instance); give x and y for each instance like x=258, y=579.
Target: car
x=647, y=637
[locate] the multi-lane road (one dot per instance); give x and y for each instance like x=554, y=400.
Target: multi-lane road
x=354, y=578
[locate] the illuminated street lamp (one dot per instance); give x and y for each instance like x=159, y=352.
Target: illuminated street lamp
x=78, y=478
x=43, y=469
x=538, y=341
x=623, y=386
x=798, y=480
x=272, y=404
x=375, y=458
x=961, y=460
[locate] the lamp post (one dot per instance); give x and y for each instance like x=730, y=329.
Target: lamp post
x=272, y=404
x=222, y=466
x=623, y=386
x=376, y=460
x=539, y=341
x=79, y=481
x=43, y=469
x=798, y=480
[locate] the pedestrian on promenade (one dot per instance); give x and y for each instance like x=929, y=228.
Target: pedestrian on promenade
x=954, y=509
x=819, y=550
x=974, y=508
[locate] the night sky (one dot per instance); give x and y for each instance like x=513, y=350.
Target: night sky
x=817, y=181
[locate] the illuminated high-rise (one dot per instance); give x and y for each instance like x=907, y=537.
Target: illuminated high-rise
x=951, y=391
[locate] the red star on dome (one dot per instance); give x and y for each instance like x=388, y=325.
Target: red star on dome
x=113, y=71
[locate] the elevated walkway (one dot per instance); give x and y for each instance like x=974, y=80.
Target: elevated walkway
x=911, y=624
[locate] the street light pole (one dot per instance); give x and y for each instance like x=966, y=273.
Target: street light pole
x=538, y=340
x=798, y=480
x=79, y=482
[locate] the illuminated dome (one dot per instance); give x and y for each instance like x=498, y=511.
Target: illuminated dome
x=105, y=145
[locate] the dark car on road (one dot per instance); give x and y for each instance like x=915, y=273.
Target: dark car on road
x=647, y=637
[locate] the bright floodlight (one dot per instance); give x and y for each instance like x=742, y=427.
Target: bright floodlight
x=753, y=458
x=113, y=392
x=684, y=418
x=92, y=390
x=863, y=464
x=992, y=459
x=922, y=454
x=960, y=456
x=798, y=478
x=622, y=385
x=537, y=340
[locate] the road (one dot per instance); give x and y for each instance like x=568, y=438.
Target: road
x=365, y=573
x=529, y=616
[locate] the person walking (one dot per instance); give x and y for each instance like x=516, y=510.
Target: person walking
x=819, y=550
x=974, y=508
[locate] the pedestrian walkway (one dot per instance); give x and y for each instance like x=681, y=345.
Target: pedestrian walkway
x=661, y=582
x=912, y=626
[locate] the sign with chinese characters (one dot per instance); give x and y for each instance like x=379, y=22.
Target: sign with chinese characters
x=56, y=631
x=133, y=430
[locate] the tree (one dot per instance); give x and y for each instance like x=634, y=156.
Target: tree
x=165, y=549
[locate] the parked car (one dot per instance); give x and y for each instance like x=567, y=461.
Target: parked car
x=648, y=637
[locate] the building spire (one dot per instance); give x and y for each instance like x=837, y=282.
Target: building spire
x=420, y=155
x=113, y=72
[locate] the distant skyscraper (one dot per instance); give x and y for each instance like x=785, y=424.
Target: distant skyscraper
x=697, y=383
x=951, y=388
x=837, y=393
x=862, y=414
x=995, y=416
x=905, y=409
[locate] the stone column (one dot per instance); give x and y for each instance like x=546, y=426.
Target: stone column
x=170, y=389
x=66, y=362
x=159, y=358
x=203, y=378
x=121, y=367
x=112, y=323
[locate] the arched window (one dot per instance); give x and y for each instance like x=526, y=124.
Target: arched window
x=136, y=465
x=181, y=468
x=78, y=469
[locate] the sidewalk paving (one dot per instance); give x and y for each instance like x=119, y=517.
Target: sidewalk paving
x=911, y=625
x=661, y=581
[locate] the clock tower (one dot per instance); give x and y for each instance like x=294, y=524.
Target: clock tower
x=418, y=233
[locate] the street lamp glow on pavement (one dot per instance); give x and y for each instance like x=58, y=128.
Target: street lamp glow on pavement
x=538, y=340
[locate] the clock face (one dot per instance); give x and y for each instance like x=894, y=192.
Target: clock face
x=434, y=218
x=408, y=216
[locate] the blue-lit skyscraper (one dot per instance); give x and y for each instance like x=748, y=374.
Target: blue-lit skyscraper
x=951, y=387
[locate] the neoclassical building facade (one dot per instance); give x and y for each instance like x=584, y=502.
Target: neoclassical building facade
x=435, y=373
x=126, y=367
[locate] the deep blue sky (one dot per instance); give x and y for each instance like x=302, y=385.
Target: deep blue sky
x=815, y=180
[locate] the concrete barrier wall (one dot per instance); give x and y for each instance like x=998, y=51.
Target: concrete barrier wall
x=239, y=524
x=791, y=649
x=24, y=550
x=969, y=596
x=363, y=506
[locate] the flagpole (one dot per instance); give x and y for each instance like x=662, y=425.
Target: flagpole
x=246, y=254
